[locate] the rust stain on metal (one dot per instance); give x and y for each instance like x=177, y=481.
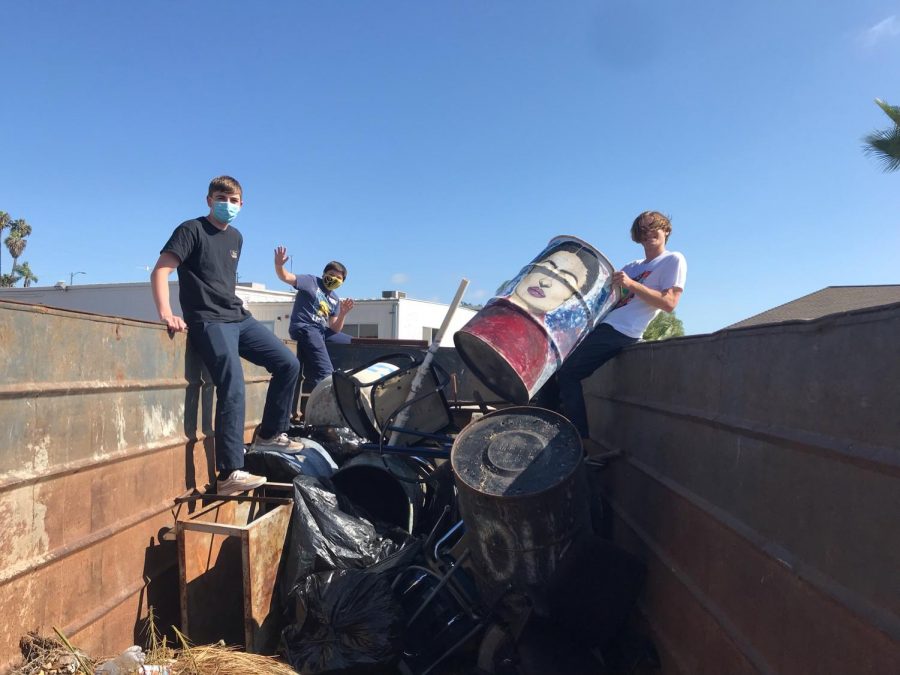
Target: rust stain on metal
x=265, y=543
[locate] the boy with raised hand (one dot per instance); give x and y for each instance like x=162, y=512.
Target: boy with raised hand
x=205, y=251
x=647, y=286
x=317, y=312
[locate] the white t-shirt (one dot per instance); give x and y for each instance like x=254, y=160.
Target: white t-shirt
x=631, y=315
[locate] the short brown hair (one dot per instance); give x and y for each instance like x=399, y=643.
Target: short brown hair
x=653, y=220
x=335, y=266
x=225, y=184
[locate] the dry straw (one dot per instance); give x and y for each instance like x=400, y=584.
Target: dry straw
x=47, y=655
x=188, y=659
x=216, y=659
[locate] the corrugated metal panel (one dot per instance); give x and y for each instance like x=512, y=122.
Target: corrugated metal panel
x=761, y=481
x=103, y=424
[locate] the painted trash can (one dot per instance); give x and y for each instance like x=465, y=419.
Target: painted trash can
x=523, y=496
x=523, y=334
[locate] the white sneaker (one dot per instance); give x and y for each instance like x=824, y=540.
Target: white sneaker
x=279, y=443
x=239, y=481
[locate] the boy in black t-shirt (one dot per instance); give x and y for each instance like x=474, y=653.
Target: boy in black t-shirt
x=205, y=251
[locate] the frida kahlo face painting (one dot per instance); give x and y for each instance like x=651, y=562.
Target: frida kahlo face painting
x=554, y=278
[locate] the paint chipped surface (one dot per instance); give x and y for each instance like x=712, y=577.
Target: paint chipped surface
x=40, y=456
x=160, y=422
x=24, y=532
x=121, y=443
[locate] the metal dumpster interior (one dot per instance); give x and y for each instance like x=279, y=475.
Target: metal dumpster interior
x=760, y=482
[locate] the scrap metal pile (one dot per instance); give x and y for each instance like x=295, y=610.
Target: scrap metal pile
x=426, y=546
x=449, y=551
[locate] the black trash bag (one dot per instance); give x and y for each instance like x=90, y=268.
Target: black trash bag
x=281, y=467
x=352, y=624
x=299, y=429
x=323, y=537
x=340, y=442
x=411, y=553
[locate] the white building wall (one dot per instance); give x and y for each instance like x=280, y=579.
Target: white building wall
x=276, y=315
x=132, y=301
x=272, y=308
x=378, y=312
x=416, y=315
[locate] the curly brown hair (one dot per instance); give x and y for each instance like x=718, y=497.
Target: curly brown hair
x=650, y=220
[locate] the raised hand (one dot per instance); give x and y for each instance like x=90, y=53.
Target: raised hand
x=281, y=256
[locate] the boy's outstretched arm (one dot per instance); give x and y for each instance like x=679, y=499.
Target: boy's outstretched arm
x=281, y=257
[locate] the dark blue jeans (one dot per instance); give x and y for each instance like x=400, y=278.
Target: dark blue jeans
x=221, y=347
x=330, y=336
x=603, y=343
x=315, y=363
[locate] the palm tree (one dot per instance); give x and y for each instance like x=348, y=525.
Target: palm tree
x=5, y=220
x=885, y=145
x=15, y=242
x=25, y=273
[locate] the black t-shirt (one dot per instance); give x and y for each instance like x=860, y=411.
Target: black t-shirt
x=208, y=271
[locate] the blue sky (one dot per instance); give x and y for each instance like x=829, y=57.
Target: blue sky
x=422, y=142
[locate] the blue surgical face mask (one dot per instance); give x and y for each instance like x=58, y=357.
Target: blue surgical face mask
x=225, y=212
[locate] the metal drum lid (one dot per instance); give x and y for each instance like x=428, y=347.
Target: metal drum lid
x=516, y=452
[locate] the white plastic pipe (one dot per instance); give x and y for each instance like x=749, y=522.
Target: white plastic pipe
x=426, y=362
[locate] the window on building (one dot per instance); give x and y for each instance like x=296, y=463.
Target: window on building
x=362, y=330
x=429, y=333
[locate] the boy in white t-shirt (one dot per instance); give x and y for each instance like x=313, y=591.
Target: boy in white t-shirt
x=647, y=287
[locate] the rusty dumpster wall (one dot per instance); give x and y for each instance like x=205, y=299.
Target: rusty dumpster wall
x=761, y=483
x=102, y=424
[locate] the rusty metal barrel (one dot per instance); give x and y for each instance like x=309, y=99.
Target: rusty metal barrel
x=523, y=334
x=523, y=496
